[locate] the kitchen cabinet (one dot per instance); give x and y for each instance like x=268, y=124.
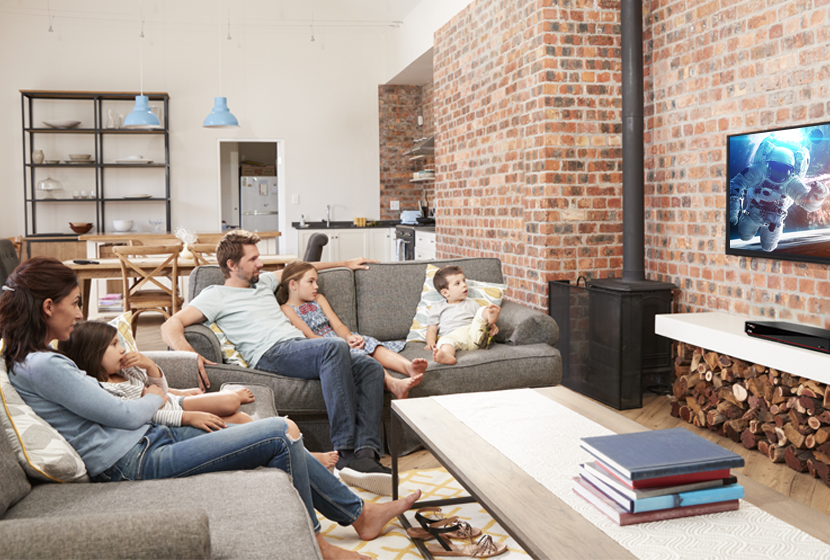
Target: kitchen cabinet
x=115, y=188
x=345, y=244
x=424, y=245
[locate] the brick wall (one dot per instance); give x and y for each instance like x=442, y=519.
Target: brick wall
x=718, y=68
x=527, y=109
x=398, y=109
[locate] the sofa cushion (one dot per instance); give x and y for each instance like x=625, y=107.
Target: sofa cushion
x=485, y=293
x=123, y=325
x=202, y=277
x=337, y=284
x=252, y=514
x=42, y=452
x=388, y=293
x=13, y=482
x=151, y=534
x=230, y=354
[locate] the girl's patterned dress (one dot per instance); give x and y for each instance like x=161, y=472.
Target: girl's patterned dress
x=313, y=316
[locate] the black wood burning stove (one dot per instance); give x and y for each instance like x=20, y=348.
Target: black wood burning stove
x=609, y=349
x=607, y=337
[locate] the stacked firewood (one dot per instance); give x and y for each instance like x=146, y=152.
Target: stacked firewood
x=785, y=417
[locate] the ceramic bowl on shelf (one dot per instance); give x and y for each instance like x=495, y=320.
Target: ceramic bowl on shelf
x=122, y=225
x=51, y=161
x=80, y=157
x=80, y=227
x=61, y=124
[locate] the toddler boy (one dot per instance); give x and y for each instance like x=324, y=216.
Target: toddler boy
x=460, y=321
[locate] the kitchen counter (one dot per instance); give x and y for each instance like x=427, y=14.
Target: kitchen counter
x=344, y=225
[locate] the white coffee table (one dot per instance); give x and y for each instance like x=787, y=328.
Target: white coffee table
x=542, y=524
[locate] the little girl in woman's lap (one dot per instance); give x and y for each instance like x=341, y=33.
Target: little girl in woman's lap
x=310, y=312
x=95, y=349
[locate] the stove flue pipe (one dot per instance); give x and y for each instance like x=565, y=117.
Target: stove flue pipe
x=633, y=156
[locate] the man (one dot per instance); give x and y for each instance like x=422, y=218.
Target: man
x=246, y=310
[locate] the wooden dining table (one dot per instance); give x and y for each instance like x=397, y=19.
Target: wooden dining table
x=111, y=268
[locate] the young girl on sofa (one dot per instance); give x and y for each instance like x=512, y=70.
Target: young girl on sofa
x=95, y=349
x=310, y=312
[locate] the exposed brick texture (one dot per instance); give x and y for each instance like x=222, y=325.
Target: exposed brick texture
x=718, y=68
x=527, y=109
x=528, y=133
x=399, y=108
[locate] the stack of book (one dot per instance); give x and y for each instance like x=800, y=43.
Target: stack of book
x=655, y=475
x=110, y=303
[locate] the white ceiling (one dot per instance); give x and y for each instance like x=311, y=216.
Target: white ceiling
x=353, y=16
x=301, y=12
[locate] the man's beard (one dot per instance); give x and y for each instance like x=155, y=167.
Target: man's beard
x=251, y=281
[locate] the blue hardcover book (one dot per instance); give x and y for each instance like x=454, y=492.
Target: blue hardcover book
x=660, y=453
x=668, y=501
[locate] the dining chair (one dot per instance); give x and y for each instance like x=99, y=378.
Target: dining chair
x=201, y=251
x=142, y=269
x=314, y=248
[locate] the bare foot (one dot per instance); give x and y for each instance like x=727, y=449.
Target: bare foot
x=374, y=517
x=331, y=552
x=440, y=357
x=401, y=387
x=416, y=367
x=328, y=459
x=245, y=395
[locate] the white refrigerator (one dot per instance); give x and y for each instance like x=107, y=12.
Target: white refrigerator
x=259, y=203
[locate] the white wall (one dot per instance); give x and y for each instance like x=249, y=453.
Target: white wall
x=319, y=97
x=415, y=37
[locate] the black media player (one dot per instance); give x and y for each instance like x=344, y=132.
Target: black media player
x=811, y=338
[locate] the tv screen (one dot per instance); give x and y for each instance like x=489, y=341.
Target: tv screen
x=777, y=196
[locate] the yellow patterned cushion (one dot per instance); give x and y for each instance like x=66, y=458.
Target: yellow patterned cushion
x=484, y=293
x=42, y=452
x=232, y=355
x=125, y=331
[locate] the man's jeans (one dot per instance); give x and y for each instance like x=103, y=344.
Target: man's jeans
x=172, y=452
x=352, y=386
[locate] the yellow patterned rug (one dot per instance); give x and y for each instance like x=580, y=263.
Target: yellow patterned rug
x=394, y=544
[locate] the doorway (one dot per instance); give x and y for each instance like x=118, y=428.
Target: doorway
x=232, y=155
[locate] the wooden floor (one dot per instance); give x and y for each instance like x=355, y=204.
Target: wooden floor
x=655, y=414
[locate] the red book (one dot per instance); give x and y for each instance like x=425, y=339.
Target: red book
x=673, y=480
x=619, y=515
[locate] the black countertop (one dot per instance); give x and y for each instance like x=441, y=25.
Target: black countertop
x=350, y=225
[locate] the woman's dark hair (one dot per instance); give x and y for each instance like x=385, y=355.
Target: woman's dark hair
x=22, y=323
x=86, y=347
x=294, y=270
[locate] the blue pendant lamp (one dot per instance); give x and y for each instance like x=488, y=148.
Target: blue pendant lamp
x=141, y=116
x=221, y=116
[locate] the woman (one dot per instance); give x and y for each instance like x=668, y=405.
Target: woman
x=41, y=302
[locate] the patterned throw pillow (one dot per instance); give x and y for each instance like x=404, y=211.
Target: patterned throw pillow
x=125, y=331
x=232, y=355
x=484, y=293
x=42, y=452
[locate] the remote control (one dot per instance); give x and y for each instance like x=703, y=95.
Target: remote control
x=82, y=261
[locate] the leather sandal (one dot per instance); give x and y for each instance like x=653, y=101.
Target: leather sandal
x=484, y=548
x=431, y=515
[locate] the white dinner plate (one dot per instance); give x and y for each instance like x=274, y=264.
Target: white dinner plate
x=137, y=196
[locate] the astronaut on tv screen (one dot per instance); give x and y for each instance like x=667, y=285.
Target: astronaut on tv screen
x=762, y=193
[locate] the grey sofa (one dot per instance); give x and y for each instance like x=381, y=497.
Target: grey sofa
x=381, y=302
x=241, y=514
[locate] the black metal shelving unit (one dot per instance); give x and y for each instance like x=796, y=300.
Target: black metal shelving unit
x=98, y=101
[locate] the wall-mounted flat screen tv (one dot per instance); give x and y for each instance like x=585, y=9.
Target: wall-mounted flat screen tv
x=778, y=193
